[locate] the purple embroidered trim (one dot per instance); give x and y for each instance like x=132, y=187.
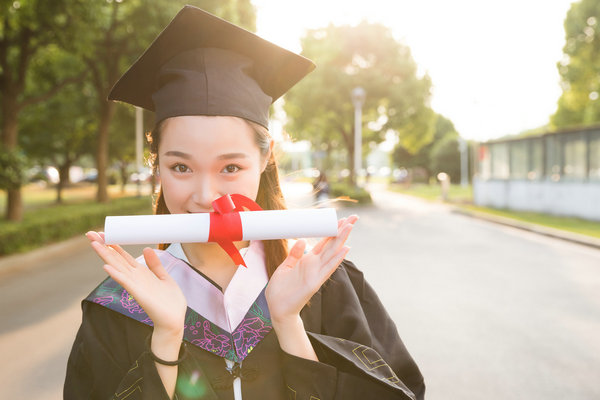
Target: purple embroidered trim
x=199, y=331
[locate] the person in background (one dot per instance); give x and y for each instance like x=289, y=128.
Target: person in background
x=321, y=188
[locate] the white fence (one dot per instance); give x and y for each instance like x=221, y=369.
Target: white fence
x=576, y=199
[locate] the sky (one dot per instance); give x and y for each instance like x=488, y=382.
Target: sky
x=492, y=63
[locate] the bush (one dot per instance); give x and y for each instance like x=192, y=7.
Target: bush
x=343, y=189
x=56, y=223
x=13, y=164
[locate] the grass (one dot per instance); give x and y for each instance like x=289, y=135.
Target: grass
x=575, y=225
x=463, y=198
x=35, y=196
x=456, y=194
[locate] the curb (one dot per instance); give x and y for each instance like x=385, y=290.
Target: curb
x=535, y=228
x=34, y=258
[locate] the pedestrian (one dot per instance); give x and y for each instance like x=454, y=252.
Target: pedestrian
x=184, y=322
x=321, y=188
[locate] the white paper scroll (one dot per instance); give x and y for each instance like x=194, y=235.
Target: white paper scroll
x=190, y=228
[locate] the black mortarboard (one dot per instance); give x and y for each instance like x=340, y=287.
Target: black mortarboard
x=203, y=65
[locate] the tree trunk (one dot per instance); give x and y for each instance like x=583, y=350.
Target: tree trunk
x=10, y=128
x=106, y=114
x=63, y=179
x=14, y=205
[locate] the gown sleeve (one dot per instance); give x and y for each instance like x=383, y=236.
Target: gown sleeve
x=108, y=361
x=360, y=352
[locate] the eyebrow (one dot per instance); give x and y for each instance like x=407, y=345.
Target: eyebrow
x=229, y=156
x=187, y=156
x=175, y=153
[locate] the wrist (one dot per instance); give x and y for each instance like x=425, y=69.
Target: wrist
x=287, y=322
x=293, y=338
x=166, y=343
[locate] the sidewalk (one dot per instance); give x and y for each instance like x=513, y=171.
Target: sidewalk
x=26, y=261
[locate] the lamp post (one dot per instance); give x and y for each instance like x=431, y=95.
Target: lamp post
x=464, y=166
x=358, y=99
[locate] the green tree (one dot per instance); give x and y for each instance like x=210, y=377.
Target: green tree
x=426, y=158
x=60, y=130
x=580, y=67
x=320, y=108
x=445, y=157
x=12, y=168
x=27, y=27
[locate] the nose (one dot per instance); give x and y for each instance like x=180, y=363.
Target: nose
x=205, y=192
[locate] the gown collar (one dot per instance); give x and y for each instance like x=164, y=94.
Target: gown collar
x=228, y=324
x=223, y=308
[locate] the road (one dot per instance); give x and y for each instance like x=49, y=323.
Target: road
x=487, y=311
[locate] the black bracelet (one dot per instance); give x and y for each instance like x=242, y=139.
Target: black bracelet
x=182, y=354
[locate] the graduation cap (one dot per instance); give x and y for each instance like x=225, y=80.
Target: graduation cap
x=203, y=65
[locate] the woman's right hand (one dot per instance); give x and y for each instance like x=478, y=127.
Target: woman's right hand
x=154, y=290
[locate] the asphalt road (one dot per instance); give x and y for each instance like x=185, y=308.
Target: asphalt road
x=487, y=311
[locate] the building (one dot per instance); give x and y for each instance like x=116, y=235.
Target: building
x=555, y=173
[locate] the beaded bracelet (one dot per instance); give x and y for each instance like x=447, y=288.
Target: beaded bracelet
x=182, y=354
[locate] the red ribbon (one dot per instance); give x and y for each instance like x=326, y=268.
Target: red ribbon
x=226, y=224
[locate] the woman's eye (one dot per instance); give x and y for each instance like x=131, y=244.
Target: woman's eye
x=180, y=168
x=231, y=168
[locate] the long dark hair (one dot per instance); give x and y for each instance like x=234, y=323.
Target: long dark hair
x=269, y=195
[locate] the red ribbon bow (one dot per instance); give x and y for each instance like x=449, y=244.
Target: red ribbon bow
x=226, y=224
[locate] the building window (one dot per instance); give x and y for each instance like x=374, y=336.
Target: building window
x=536, y=160
x=595, y=158
x=499, y=160
x=553, y=157
x=575, y=158
x=519, y=160
x=485, y=162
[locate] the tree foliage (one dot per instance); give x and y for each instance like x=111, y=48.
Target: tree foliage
x=12, y=168
x=580, y=67
x=61, y=130
x=47, y=45
x=27, y=27
x=320, y=107
x=437, y=155
x=445, y=157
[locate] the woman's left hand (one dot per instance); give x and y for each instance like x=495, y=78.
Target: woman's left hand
x=301, y=275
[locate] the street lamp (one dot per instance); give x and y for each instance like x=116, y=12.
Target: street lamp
x=464, y=166
x=358, y=99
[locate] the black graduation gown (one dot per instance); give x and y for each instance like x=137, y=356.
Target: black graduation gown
x=361, y=356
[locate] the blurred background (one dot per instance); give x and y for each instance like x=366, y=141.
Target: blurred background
x=466, y=134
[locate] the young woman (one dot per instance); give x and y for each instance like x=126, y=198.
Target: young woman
x=184, y=321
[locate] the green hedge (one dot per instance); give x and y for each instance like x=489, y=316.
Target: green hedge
x=60, y=222
x=358, y=194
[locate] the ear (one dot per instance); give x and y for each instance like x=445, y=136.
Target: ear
x=267, y=156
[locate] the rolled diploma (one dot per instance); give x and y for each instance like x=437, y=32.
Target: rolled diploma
x=191, y=228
